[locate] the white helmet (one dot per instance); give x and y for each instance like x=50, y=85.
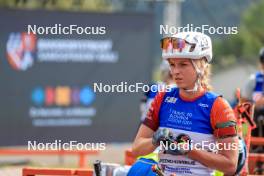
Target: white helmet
x=193, y=45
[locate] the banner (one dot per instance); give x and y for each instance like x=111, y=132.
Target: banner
x=52, y=61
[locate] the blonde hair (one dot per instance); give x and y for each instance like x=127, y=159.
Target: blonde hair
x=206, y=73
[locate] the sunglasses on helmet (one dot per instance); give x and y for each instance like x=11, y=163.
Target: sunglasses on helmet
x=175, y=43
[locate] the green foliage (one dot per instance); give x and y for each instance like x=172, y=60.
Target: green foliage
x=70, y=5
x=246, y=44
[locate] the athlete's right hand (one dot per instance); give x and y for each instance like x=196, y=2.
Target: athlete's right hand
x=161, y=135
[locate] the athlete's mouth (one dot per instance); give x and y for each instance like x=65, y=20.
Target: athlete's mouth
x=178, y=79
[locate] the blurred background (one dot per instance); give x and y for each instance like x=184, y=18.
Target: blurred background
x=47, y=79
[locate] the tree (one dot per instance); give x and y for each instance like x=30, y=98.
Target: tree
x=246, y=44
x=71, y=5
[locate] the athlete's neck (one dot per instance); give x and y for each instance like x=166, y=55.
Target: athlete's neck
x=192, y=95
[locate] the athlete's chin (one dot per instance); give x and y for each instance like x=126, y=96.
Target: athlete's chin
x=180, y=84
x=183, y=87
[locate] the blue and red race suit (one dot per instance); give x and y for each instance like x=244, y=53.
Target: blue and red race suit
x=199, y=118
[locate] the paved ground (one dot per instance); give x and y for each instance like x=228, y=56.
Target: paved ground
x=113, y=153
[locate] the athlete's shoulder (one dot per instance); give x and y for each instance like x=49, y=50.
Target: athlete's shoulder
x=212, y=95
x=221, y=102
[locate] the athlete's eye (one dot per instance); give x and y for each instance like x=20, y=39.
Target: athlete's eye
x=183, y=64
x=172, y=65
